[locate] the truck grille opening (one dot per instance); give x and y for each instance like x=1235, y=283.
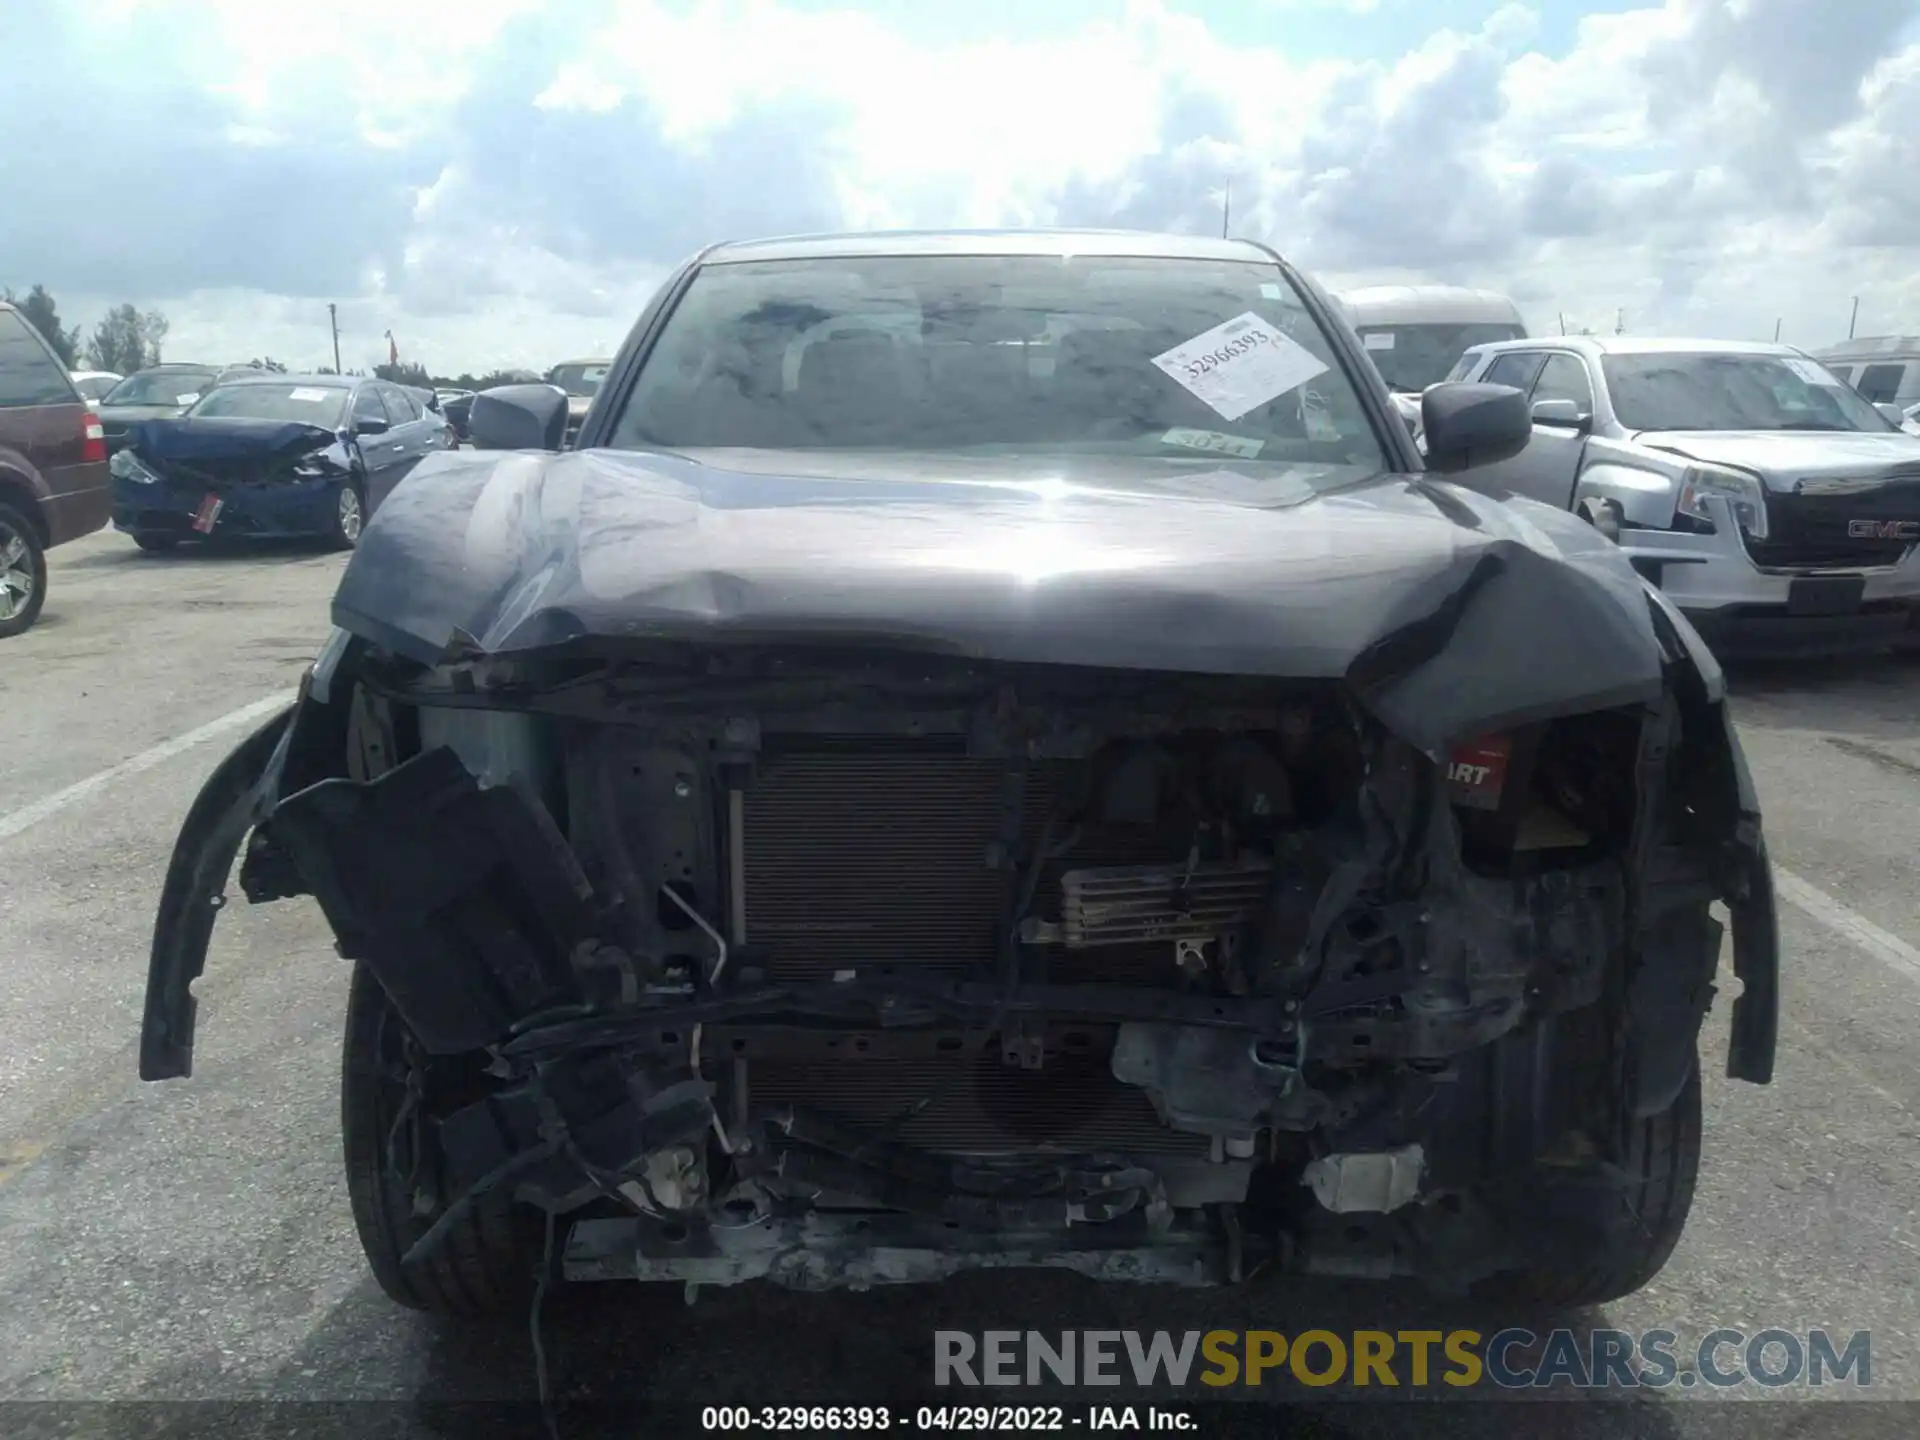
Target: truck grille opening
x=1811, y=553
x=878, y=853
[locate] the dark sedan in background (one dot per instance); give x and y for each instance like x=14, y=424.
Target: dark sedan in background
x=272, y=457
x=158, y=392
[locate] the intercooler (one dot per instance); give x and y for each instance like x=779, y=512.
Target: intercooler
x=874, y=853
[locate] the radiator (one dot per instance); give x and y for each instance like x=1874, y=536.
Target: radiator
x=874, y=853
x=879, y=855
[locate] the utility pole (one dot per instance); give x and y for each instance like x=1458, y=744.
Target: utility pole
x=1563, y=322
x=1776, y=331
x=1620, y=322
x=1856, y=317
x=333, y=319
x=1226, y=209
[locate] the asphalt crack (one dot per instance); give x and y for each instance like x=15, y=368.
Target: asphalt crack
x=1874, y=755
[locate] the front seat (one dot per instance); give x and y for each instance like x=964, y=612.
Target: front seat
x=851, y=390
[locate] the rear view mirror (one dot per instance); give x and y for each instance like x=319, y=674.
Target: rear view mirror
x=518, y=417
x=1892, y=414
x=1468, y=424
x=370, y=427
x=1562, y=414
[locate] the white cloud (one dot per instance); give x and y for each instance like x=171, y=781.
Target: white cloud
x=499, y=181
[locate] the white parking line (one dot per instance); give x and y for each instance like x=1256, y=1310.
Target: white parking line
x=83, y=790
x=1850, y=925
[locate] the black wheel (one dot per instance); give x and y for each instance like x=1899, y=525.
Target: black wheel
x=490, y=1261
x=349, y=515
x=23, y=573
x=1661, y=1155
x=156, y=543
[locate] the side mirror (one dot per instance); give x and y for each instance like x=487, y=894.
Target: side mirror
x=518, y=417
x=1892, y=414
x=370, y=427
x=1561, y=414
x=1468, y=424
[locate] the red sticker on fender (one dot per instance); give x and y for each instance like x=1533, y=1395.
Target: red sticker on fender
x=1477, y=772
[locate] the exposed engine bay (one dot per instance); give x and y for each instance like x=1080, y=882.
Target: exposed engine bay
x=842, y=969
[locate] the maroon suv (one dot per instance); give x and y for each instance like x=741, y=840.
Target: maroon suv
x=53, y=468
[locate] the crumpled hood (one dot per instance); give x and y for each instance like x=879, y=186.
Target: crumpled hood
x=1449, y=612
x=1784, y=457
x=223, y=437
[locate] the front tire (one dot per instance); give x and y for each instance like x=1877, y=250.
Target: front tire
x=349, y=515
x=156, y=544
x=1661, y=1155
x=23, y=573
x=490, y=1261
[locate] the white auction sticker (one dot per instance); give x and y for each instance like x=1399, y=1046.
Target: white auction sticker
x=306, y=392
x=1214, y=441
x=1240, y=365
x=1807, y=370
x=1379, y=340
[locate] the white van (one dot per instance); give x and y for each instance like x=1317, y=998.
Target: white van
x=1885, y=369
x=1416, y=334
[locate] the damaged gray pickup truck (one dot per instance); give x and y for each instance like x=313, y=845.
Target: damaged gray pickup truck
x=994, y=750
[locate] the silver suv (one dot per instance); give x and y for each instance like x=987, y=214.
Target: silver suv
x=1771, y=503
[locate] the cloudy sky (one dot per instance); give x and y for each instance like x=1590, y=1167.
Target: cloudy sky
x=500, y=182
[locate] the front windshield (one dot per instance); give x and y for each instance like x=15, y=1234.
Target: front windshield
x=322, y=405
x=1200, y=360
x=159, y=387
x=1412, y=357
x=579, y=380
x=1730, y=391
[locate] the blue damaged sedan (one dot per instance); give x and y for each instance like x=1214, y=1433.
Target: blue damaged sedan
x=272, y=456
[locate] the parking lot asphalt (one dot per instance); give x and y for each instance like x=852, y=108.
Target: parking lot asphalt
x=191, y=1240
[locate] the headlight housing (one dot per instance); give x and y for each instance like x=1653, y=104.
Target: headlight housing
x=1745, y=495
x=128, y=466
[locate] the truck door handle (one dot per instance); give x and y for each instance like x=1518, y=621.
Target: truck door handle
x=399, y=447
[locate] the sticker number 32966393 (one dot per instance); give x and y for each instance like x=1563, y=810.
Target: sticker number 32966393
x=1240, y=365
